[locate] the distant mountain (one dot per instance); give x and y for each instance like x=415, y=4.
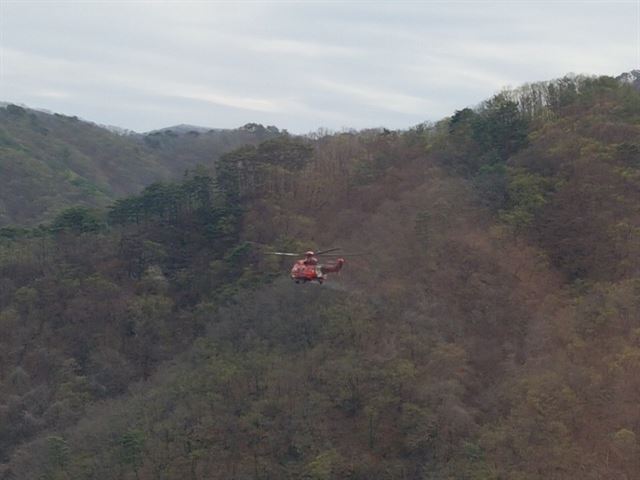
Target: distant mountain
x=185, y=128
x=185, y=146
x=51, y=161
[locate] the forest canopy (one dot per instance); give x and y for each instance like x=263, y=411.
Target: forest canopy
x=490, y=332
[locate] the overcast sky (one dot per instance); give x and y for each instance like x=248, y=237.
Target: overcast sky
x=298, y=65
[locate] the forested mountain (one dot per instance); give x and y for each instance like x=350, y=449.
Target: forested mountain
x=492, y=331
x=51, y=161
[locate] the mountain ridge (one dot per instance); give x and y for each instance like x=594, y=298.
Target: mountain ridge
x=490, y=332
x=50, y=161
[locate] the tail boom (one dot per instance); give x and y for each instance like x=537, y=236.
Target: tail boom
x=333, y=268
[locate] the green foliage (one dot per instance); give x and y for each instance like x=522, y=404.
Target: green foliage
x=58, y=457
x=487, y=136
x=322, y=466
x=527, y=194
x=78, y=220
x=500, y=127
x=420, y=430
x=131, y=448
x=52, y=162
x=628, y=154
x=492, y=184
x=251, y=171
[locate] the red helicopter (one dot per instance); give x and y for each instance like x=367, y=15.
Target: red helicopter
x=308, y=269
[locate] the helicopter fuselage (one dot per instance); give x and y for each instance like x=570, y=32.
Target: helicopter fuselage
x=309, y=270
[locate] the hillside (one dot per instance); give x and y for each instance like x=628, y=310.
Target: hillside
x=50, y=161
x=491, y=332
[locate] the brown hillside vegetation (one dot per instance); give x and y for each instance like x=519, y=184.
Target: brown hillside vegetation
x=492, y=331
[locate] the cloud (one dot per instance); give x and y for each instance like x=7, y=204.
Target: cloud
x=52, y=94
x=254, y=104
x=379, y=98
x=298, y=65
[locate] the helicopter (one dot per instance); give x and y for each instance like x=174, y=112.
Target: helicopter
x=308, y=269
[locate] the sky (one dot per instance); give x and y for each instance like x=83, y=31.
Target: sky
x=299, y=65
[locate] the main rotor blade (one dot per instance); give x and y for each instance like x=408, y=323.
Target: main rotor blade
x=322, y=252
x=345, y=254
x=286, y=254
